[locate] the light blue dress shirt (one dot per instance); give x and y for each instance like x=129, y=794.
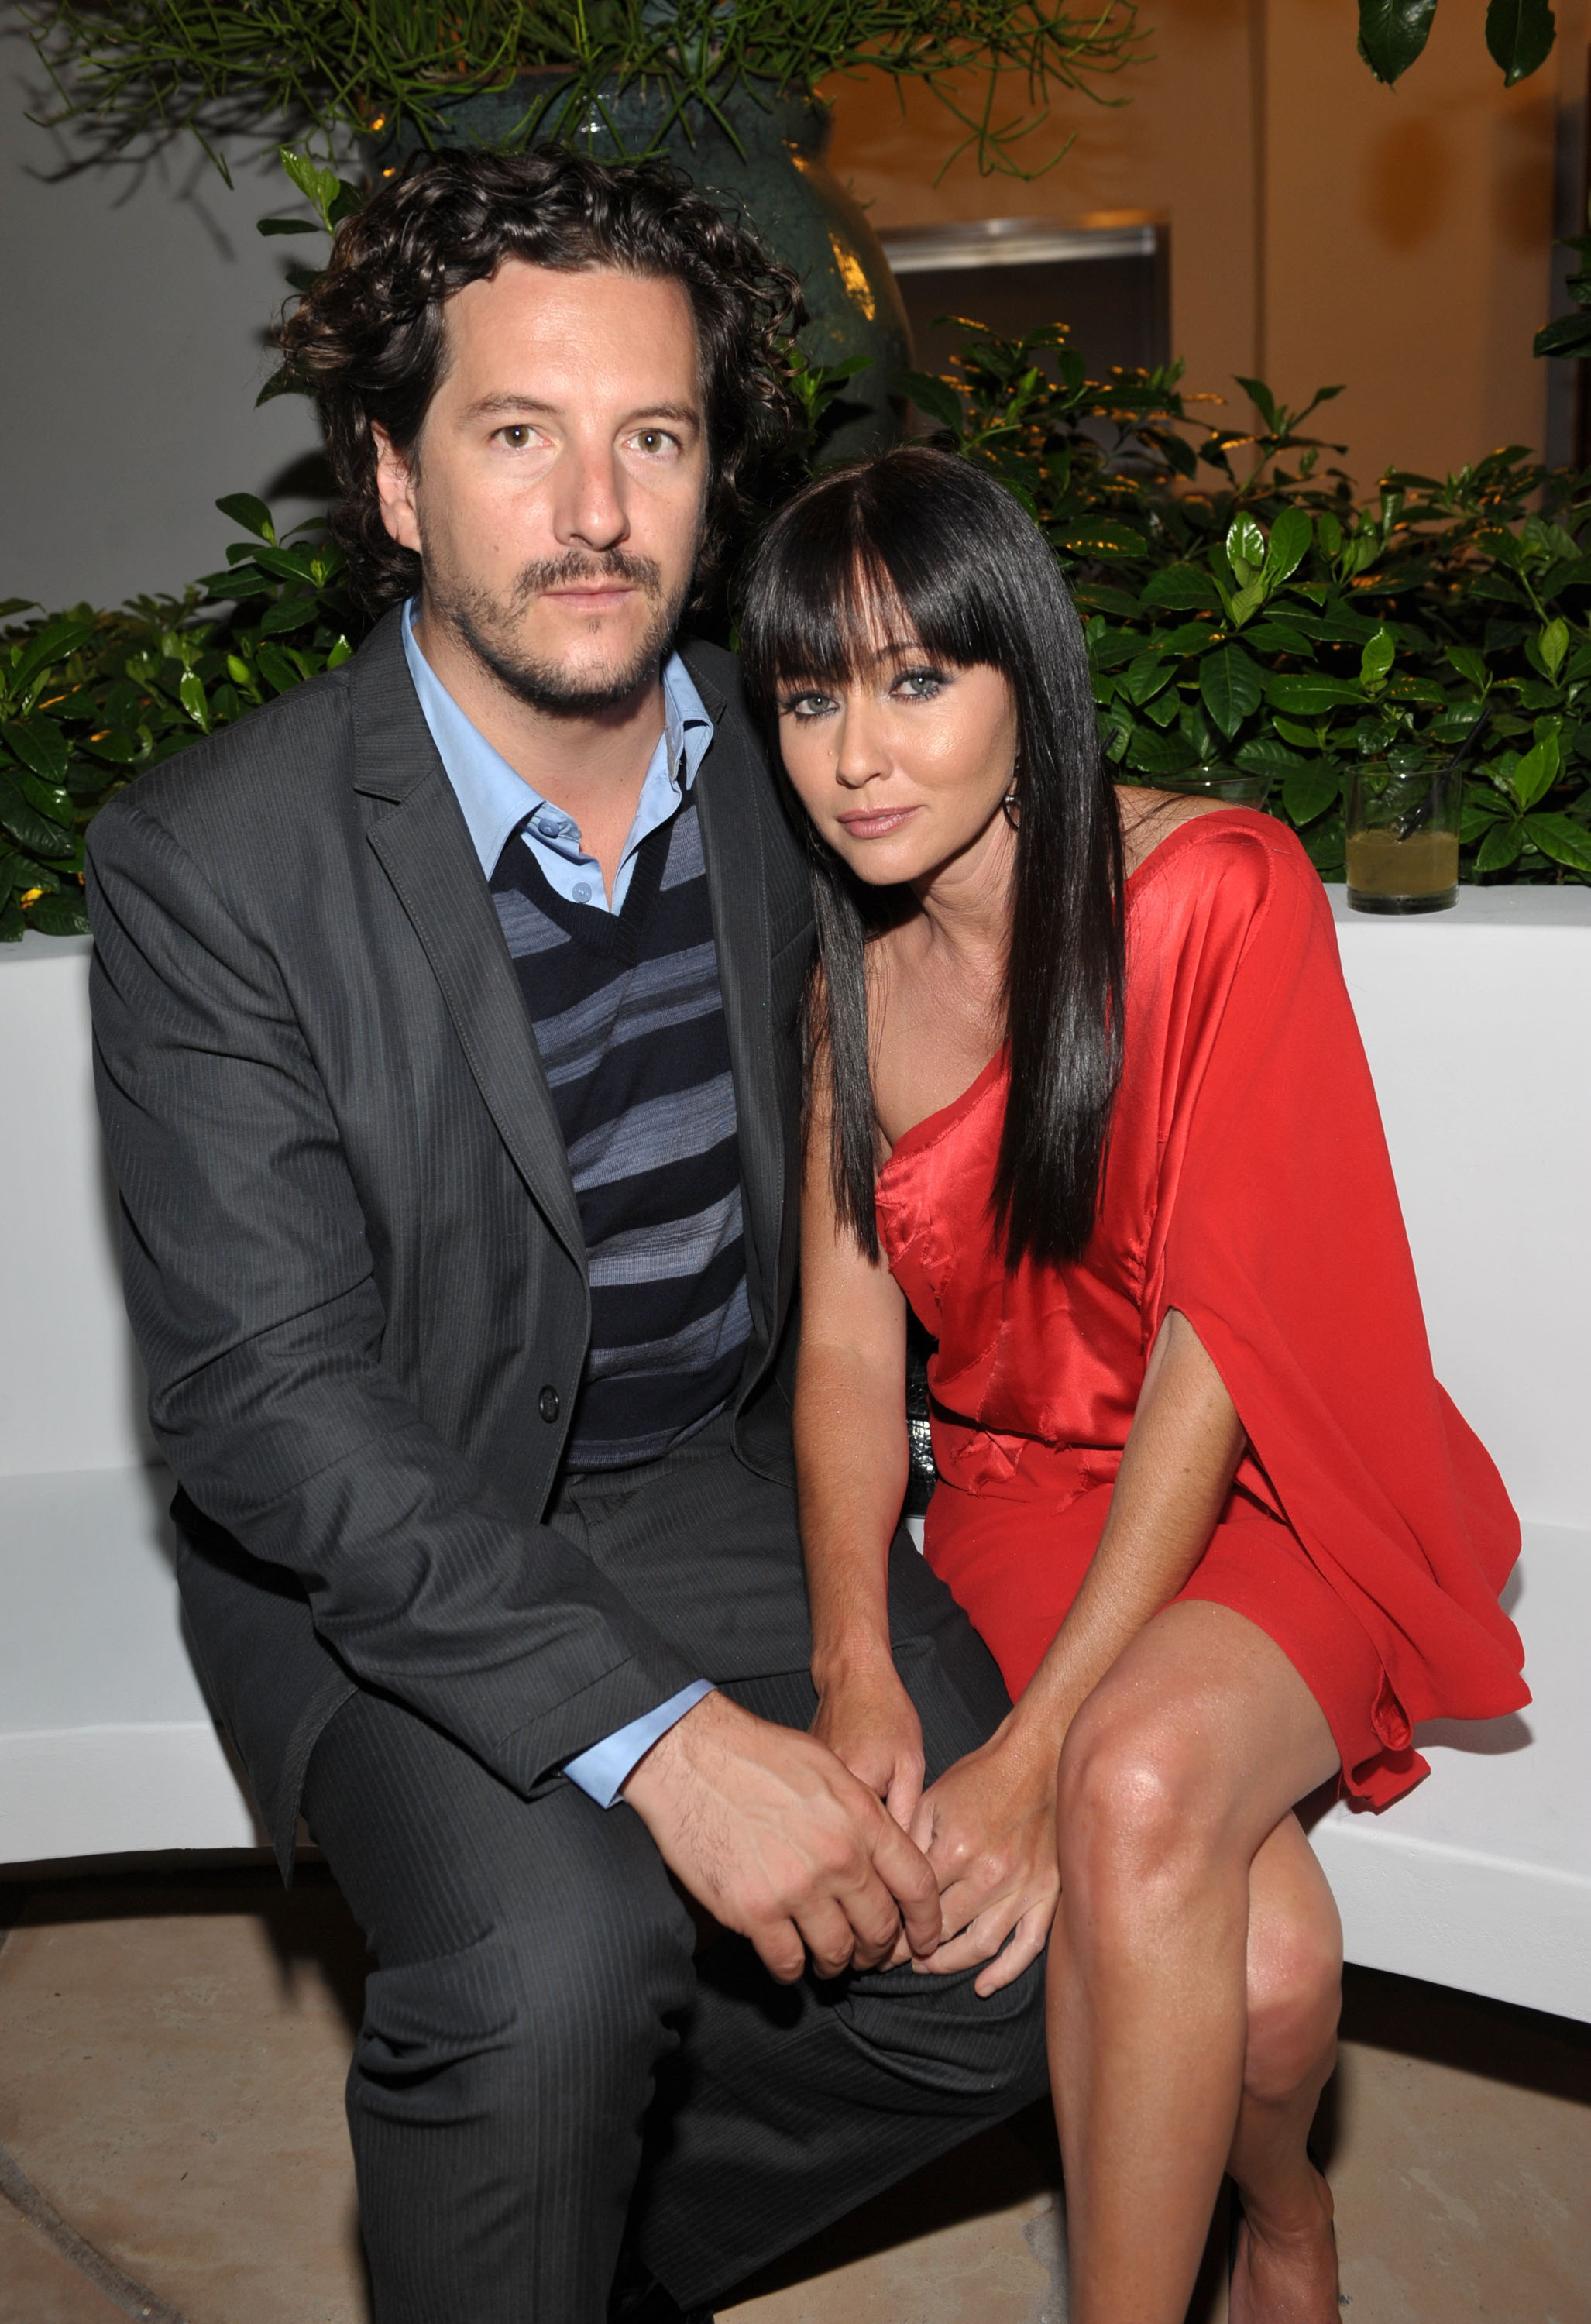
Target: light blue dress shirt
x=495, y=801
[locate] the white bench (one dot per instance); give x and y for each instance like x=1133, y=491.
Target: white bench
x=1478, y=1026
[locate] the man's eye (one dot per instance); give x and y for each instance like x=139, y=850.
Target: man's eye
x=655, y=439
x=517, y=436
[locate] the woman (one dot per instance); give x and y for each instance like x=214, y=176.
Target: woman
x=1087, y=1091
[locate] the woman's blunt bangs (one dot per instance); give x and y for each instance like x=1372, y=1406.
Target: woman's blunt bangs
x=914, y=548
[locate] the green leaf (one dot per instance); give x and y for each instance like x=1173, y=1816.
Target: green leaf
x=1329, y=532
x=1159, y=754
x=1553, y=644
x=41, y=747
x=1309, y=791
x=1562, y=837
x=1536, y=772
x=1468, y=664
x=1392, y=32
x=341, y=652
x=1102, y=536
x=288, y=613
x=1303, y=738
x=1245, y=544
x=1274, y=636
x=1247, y=601
x=54, y=642
x=1305, y=694
x=1230, y=687
x=1290, y=544
x=1500, y=847
x=1377, y=658
x=65, y=915
x=1519, y=37
x=253, y=514
x=40, y=834
x=14, y=924
x=1182, y=588
x=1568, y=334
x=50, y=798
x=286, y=225
x=192, y=696
x=1263, y=401
x=318, y=185
x=1148, y=676
x=1263, y=754
x=936, y=397
x=279, y=673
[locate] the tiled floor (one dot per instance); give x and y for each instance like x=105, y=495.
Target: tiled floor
x=171, y=2058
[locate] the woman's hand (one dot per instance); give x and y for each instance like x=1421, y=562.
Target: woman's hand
x=870, y=1723
x=988, y=1827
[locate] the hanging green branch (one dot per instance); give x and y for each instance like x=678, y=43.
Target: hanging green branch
x=139, y=73
x=1519, y=34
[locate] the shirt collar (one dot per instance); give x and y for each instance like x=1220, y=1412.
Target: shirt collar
x=495, y=801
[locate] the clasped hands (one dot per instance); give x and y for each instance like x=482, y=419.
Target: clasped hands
x=827, y=1845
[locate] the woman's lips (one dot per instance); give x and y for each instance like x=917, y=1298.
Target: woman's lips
x=875, y=823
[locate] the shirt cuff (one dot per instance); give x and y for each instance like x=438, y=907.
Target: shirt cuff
x=601, y=1772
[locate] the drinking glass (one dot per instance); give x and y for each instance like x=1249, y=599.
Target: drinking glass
x=1402, y=838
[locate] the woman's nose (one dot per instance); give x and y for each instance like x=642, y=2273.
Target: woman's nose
x=859, y=754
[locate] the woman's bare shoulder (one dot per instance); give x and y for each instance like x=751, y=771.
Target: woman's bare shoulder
x=1148, y=816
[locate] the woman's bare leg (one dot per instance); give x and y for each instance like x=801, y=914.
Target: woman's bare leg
x=1286, y=2267
x=1177, y=1772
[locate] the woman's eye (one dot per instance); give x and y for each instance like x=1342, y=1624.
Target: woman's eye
x=919, y=685
x=808, y=706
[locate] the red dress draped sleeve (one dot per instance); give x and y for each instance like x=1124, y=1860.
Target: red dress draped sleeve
x=1247, y=1185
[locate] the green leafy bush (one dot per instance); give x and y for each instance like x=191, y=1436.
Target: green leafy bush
x=1244, y=611
x=89, y=700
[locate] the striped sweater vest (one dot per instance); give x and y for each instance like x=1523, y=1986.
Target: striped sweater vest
x=629, y=1019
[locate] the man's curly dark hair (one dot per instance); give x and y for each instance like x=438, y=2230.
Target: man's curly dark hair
x=368, y=338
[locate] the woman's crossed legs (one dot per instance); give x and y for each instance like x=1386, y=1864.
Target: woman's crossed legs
x=1194, y=1975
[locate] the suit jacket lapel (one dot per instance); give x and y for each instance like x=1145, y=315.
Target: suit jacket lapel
x=732, y=844
x=424, y=849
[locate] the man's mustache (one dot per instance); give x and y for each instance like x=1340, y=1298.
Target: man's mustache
x=578, y=568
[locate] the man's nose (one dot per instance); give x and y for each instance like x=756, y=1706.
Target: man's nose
x=589, y=511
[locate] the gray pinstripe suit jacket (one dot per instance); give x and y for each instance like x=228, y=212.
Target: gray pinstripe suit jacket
x=353, y=1256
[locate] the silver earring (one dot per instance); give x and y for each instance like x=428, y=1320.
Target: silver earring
x=1009, y=807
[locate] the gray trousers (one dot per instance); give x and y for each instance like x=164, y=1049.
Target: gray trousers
x=542, y=2060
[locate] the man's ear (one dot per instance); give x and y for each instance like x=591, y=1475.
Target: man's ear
x=395, y=483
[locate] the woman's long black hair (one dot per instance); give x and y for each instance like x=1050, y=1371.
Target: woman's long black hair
x=920, y=536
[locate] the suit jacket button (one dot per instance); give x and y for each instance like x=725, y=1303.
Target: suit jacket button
x=546, y=1402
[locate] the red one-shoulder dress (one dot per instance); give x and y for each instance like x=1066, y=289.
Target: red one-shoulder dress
x=1248, y=1184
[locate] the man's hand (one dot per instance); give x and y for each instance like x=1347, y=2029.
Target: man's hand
x=780, y=1842
x=988, y=1827
x=870, y=1723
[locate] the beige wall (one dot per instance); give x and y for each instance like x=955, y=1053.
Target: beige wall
x=1324, y=229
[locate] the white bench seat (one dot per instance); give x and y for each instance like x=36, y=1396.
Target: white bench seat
x=1478, y=1029
x=106, y=1745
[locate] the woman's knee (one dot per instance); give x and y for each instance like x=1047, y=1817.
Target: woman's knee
x=1136, y=1805
x=1294, y=1967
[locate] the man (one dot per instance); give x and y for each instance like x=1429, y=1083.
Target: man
x=445, y=1015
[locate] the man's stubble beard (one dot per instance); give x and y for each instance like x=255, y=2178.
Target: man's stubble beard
x=489, y=626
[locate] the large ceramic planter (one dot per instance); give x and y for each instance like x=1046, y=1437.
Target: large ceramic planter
x=772, y=170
